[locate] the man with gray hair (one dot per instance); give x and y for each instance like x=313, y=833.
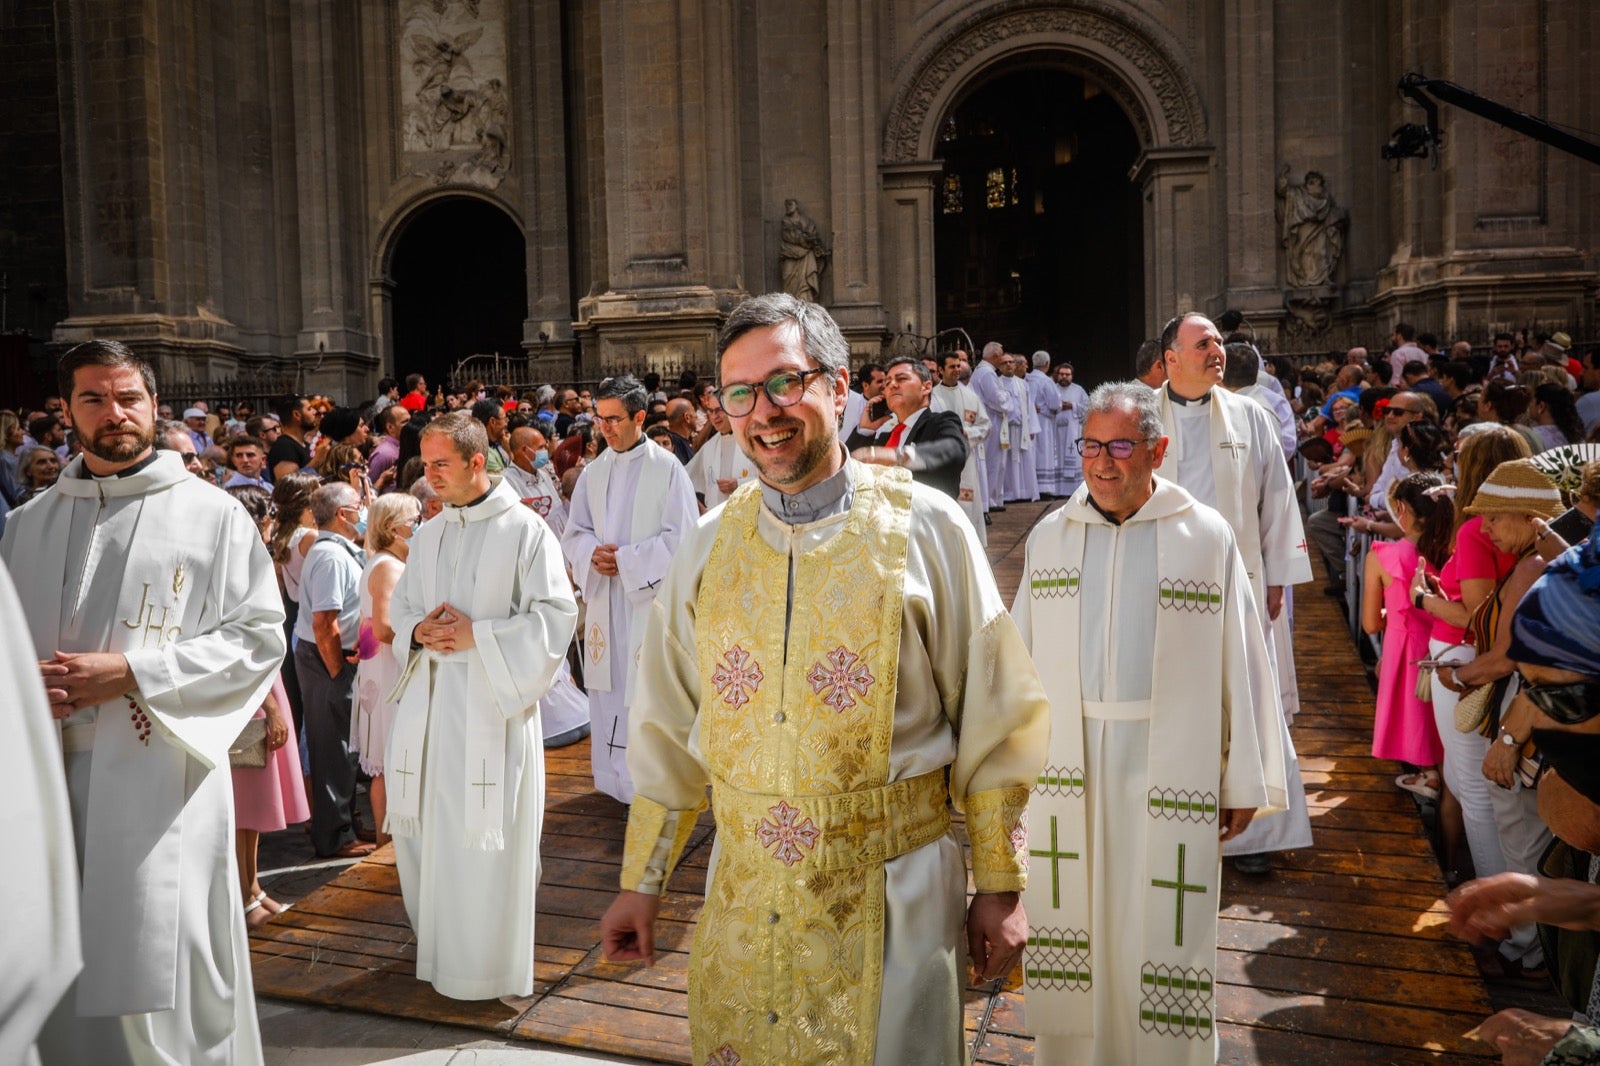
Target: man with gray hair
x=631, y=506
x=1046, y=400
x=1164, y=740
x=325, y=646
x=1001, y=407
x=431, y=504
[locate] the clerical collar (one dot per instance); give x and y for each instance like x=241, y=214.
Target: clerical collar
x=126, y=472
x=474, y=503
x=1184, y=402
x=823, y=500
x=1089, y=496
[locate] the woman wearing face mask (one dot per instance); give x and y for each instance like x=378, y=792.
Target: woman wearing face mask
x=390, y=522
x=1555, y=643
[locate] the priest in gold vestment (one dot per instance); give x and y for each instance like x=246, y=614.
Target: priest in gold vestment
x=829, y=653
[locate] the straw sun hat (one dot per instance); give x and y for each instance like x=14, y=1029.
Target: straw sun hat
x=1518, y=487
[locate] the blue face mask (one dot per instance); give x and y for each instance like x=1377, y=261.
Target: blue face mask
x=361, y=522
x=540, y=458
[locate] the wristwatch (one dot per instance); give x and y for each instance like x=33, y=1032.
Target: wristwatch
x=1416, y=600
x=1508, y=740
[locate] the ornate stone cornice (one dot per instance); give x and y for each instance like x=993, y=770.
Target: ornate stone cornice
x=1147, y=69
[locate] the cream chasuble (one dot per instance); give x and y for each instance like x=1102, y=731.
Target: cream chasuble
x=159, y=566
x=465, y=763
x=39, y=896
x=1164, y=715
x=641, y=501
x=825, y=719
x=1225, y=452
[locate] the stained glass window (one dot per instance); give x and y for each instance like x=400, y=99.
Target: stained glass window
x=995, y=189
x=953, y=204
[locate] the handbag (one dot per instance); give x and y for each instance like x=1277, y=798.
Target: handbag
x=249, y=751
x=1473, y=708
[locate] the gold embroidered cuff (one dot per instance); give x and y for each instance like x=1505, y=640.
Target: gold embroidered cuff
x=997, y=826
x=654, y=843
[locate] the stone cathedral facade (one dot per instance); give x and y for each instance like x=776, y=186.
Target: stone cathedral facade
x=361, y=187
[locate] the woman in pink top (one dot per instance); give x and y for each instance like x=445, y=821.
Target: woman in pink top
x=1403, y=726
x=1475, y=567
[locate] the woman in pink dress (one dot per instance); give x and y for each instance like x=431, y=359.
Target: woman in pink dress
x=1403, y=726
x=271, y=797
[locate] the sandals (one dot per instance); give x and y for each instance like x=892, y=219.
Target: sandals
x=263, y=903
x=1424, y=783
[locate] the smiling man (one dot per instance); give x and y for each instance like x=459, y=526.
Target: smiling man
x=829, y=654
x=632, y=505
x=1139, y=614
x=1226, y=453
x=158, y=628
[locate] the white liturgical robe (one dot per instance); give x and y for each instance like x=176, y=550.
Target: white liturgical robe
x=975, y=422
x=539, y=492
x=998, y=400
x=1069, y=427
x=1227, y=453
x=1022, y=430
x=167, y=570
x=641, y=501
x=1164, y=714
x=718, y=459
x=39, y=894
x=465, y=765
x=1046, y=400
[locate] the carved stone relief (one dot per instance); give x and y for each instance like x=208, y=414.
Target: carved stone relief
x=1311, y=230
x=454, y=112
x=999, y=25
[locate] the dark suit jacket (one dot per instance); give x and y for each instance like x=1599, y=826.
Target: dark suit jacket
x=941, y=451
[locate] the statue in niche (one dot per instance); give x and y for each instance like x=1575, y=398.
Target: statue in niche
x=1311, y=229
x=803, y=254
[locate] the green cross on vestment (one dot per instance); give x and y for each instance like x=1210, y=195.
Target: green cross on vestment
x=1180, y=887
x=1055, y=856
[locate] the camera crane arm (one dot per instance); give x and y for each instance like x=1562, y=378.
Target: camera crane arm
x=1412, y=140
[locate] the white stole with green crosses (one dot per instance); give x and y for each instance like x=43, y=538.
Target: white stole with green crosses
x=1177, y=967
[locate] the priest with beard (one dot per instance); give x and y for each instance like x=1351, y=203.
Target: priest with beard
x=631, y=505
x=482, y=618
x=1164, y=741
x=158, y=629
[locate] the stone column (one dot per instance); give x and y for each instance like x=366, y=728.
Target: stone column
x=137, y=114
x=542, y=162
x=1250, y=153
x=910, y=303
x=671, y=186
x=1175, y=185
x=333, y=346
x=856, y=299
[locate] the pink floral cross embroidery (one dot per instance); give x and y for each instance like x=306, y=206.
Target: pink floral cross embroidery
x=790, y=835
x=843, y=678
x=1019, y=833
x=737, y=677
x=724, y=1056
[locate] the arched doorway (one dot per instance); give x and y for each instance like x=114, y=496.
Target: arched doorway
x=1037, y=223
x=459, y=269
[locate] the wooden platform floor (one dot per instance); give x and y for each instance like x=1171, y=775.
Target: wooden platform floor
x=1341, y=956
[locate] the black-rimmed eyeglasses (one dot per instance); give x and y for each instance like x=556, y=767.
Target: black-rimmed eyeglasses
x=784, y=390
x=1122, y=448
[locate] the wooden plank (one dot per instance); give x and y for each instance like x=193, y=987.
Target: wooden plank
x=1341, y=945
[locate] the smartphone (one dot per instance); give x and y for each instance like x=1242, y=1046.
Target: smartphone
x=1434, y=664
x=878, y=408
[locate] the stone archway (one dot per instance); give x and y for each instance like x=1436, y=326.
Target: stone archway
x=1139, y=64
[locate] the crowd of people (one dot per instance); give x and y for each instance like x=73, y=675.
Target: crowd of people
x=420, y=594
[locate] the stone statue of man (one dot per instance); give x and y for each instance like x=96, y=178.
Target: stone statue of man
x=1311, y=228
x=803, y=254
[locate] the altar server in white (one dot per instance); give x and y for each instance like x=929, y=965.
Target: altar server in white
x=1225, y=451
x=1069, y=427
x=40, y=940
x=482, y=618
x=1046, y=400
x=719, y=466
x=1000, y=403
x=630, y=508
x=951, y=395
x=1164, y=737
x=1022, y=428
x=158, y=627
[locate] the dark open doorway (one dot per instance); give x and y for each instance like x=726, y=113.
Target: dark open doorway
x=460, y=287
x=1038, y=239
